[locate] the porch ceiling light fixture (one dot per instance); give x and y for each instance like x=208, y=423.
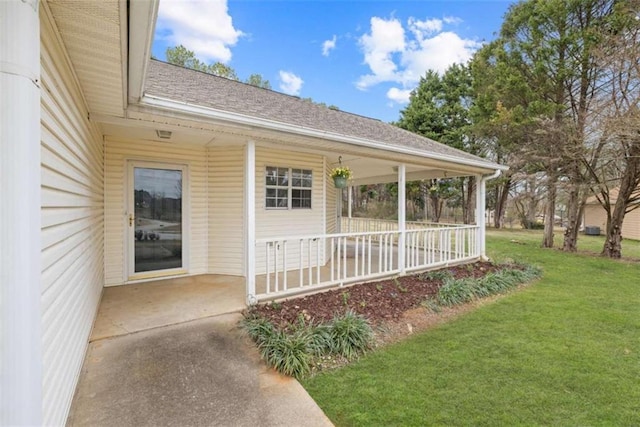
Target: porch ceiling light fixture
x=163, y=134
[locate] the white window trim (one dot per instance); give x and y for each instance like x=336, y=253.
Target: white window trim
x=289, y=187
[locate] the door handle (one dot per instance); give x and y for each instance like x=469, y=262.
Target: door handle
x=131, y=220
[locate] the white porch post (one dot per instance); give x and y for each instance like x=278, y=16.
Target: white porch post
x=250, y=219
x=339, y=209
x=402, y=209
x=480, y=209
x=20, y=270
x=349, y=202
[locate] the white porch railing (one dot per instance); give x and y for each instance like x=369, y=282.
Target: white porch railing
x=303, y=264
x=361, y=225
x=434, y=247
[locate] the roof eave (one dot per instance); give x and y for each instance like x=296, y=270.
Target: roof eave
x=142, y=21
x=235, y=118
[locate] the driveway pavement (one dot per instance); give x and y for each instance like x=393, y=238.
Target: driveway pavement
x=200, y=373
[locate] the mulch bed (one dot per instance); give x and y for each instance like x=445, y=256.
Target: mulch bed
x=380, y=302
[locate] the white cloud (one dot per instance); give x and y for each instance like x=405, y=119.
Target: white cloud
x=328, y=46
x=421, y=29
x=386, y=39
x=290, y=83
x=400, y=96
x=205, y=27
x=396, y=55
x=452, y=20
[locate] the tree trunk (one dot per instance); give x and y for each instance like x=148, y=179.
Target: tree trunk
x=570, y=243
x=613, y=241
x=436, y=204
x=550, y=212
x=628, y=184
x=468, y=203
x=424, y=190
x=502, y=194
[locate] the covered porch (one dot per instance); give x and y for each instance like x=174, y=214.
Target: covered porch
x=358, y=256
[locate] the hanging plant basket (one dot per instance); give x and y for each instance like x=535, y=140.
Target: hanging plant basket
x=340, y=182
x=340, y=176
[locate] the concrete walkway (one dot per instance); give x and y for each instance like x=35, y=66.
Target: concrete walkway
x=200, y=373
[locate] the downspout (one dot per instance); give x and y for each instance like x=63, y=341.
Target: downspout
x=481, y=201
x=20, y=241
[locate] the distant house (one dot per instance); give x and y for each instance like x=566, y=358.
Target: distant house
x=117, y=169
x=596, y=216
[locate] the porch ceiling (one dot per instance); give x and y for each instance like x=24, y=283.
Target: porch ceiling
x=370, y=166
x=94, y=35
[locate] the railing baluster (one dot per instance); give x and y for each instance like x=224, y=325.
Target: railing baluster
x=275, y=265
x=301, y=264
x=333, y=240
x=339, y=258
x=309, y=264
x=369, y=255
x=380, y=255
x=425, y=242
x=386, y=249
x=363, y=256
x=355, y=258
x=318, y=261
x=344, y=258
x=268, y=289
x=284, y=265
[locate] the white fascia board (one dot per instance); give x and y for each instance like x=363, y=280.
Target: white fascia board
x=124, y=49
x=212, y=113
x=142, y=24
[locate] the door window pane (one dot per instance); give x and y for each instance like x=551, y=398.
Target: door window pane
x=158, y=219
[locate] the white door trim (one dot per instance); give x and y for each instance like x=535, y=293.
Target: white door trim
x=130, y=274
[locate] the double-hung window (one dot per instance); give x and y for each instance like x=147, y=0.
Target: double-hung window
x=288, y=188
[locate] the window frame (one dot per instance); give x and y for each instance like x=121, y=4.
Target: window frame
x=289, y=187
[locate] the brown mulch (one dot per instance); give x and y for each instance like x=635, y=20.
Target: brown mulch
x=383, y=303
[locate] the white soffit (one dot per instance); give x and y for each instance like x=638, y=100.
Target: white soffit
x=92, y=34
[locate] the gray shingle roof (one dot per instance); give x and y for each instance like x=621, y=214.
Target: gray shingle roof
x=185, y=85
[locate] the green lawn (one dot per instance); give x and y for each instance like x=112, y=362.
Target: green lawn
x=564, y=351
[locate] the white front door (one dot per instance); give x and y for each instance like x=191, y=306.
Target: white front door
x=156, y=219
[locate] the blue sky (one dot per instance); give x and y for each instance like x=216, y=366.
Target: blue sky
x=362, y=56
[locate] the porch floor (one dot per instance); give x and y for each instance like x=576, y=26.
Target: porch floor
x=138, y=307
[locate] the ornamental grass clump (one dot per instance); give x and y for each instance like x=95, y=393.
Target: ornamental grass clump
x=455, y=292
x=460, y=291
x=350, y=335
x=294, y=350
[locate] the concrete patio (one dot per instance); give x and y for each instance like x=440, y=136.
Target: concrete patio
x=198, y=373
x=170, y=352
x=138, y=307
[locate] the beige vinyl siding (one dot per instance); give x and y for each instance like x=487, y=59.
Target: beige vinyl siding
x=117, y=155
x=289, y=222
x=332, y=198
x=72, y=227
x=631, y=225
x=226, y=210
x=595, y=215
